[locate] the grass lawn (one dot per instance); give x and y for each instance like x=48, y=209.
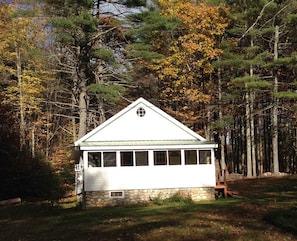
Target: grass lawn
x=267, y=210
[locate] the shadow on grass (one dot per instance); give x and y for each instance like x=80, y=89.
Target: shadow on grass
x=217, y=220
x=285, y=219
x=278, y=188
x=223, y=219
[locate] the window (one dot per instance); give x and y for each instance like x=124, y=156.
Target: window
x=160, y=158
x=127, y=158
x=117, y=194
x=204, y=157
x=140, y=112
x=174, y=157
x=94, y=159
x=190, y=157
x=109, y=159
x=141, y=158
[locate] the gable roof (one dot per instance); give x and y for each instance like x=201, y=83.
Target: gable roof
x=140, y=121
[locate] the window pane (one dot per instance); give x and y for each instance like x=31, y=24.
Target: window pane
x=174, y=157
x=160, y=158
x=119, y=194
x=205, y=157
x=94, y=159
x=190, y=157
x=127, y=158
x=109, y=159
x=141, y=158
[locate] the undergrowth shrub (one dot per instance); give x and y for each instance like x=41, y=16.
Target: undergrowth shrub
x=33, y=178
x=178, y=197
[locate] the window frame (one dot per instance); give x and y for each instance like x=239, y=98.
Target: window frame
x=196, y=152
x=150, y=157
x=170, y=160
x=135, y=158
x=99, y=160
x=160, y=162
x=135, y=162
x=103, y=158
x=116, y=196
x=208, y=162
x=131, y=162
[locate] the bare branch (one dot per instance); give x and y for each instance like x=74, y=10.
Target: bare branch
x=276, y=15
x=129, y=101
x=257, y=20
x=102, y=33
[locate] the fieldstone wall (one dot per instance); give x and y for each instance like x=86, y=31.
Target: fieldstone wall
x=132, y=197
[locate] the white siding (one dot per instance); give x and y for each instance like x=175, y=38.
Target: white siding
x=149, y=127
x=149, y=177
x=128, y=126
x=156, y=127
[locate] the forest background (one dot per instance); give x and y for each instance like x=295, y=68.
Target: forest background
x=225, y=68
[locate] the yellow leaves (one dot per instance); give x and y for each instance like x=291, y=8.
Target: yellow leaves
x=199, y=16
x=22, y=63
x=197, y=42
x=169, y=71
x=190, y=53
x=29, y=92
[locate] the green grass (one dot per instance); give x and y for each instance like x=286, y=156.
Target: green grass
x=266, y=211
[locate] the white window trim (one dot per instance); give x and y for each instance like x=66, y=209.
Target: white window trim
x=150, y=157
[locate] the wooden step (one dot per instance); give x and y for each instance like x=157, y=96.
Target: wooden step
x=231, y=193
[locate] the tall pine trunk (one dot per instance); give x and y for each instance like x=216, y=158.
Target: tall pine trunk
x=83, y=107
x=222, y=136
x=248, y=133
x=252, y=125
x=253, y=141
x=275, y=109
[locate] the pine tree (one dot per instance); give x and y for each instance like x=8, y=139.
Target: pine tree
x=85, y=58
x=255, y=29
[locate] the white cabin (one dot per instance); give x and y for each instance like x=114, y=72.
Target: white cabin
x=142, y=153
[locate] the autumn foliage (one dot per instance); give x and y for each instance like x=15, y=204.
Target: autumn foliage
x=189, y=55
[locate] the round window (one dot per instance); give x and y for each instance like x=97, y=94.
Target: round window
x=140, y=112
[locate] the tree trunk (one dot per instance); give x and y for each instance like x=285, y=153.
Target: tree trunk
x=252, y=125
x=73, y=122
x=253, y=143
x=248, y=135
x=21, y=101
x=222, y=136
x=243, y=158
x=260, y=151
x=101, y=112
x=33, y=141
x=275, y=110
x=82, y=108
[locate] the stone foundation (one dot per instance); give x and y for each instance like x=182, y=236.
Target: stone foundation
x=133, y=197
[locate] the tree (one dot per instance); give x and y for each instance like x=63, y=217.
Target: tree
x=75, y=27
x=284, y=14
x=254, y=29
x=25, y=76
x=24, y=67
x=182, y=43
x=85, y=58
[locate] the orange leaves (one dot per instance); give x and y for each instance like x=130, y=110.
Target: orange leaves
x=202, y=23
x=202, y=26
x=190, y=54
x=201, y=16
